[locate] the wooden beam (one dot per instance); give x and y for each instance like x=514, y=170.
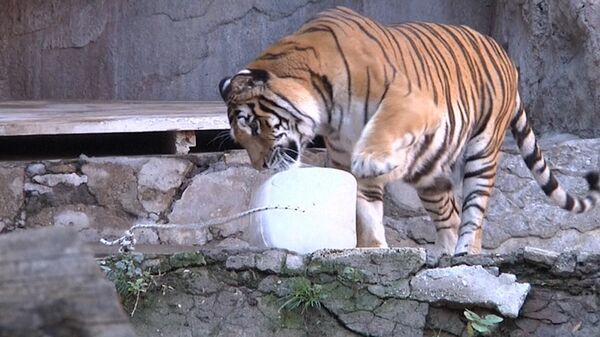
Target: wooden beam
x=21, y=118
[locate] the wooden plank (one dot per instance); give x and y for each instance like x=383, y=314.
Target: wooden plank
x=50, y=285
x=20, y=118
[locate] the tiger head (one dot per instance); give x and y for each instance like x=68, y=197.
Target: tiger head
x=272, y=118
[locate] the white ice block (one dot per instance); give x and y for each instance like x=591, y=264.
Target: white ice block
x=328, y=198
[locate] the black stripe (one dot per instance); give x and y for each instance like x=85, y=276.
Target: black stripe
x=593, y=179
x=551, y=185
x=371, y=196
x=266, y=109
x=336, y=163
x=476, y=194
x=273, y=103
x=333, y=148
x=533, y=158
x=478, y=173
x=283, y=98
x=374, y=39
x=591, y=199
x=481, y=209
x=286, y=52
x=439, y=58
x=516, y=118
x=366, y=109
x=570, y=203
x=439, y=228
x=424, y=145
x=446, y=218
x=323, y=87
x=430, y=201
x=411, y=54
x=346, y=66
x=430, y=163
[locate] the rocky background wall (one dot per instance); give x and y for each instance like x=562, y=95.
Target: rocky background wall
x=156, y=50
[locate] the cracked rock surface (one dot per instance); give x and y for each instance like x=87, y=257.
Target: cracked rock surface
x=218, y=292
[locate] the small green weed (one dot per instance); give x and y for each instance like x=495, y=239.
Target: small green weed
x=125, y=271
x=304, y=295
x=480, y=325
x=352, y=275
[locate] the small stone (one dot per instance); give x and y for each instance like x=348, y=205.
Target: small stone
x=294, y=262
x=11, y=191
x=35, y=169
x=185, y=237
x=270, y=261
x=157, y=181
x=241, y=262
x=233, y=243
x=565, y=263
x=52, y=180
x=397, y=289
x=542, y=256
x=61, y=167
x=273, y=284
x=153, y=217
x=71, y=218
x=493, y=270
x=146, y=236
x=37, y=188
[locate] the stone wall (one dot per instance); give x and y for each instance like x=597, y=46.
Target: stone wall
x=154, y=50
x=367, y=293
x=101, y=197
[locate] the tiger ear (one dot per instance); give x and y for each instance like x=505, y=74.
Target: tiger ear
x=225, y=88
x=246, y=83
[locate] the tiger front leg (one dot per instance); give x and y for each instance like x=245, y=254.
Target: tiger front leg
x=370, y=231
x=400, y=121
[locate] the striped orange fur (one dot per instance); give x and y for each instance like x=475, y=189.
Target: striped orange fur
x=411, y=102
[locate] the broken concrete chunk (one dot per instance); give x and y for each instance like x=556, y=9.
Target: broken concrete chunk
x=470, y=285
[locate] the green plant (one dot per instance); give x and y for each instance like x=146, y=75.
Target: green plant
x=304, y=295
x=480, y=325
x=352, y=275
x=130, y=280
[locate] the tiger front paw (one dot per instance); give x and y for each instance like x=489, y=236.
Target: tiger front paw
x=369, y=165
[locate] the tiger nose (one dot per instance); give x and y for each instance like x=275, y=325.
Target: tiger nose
x=265, y=166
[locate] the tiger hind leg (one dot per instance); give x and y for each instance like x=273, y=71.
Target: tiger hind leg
x=478, y=180
x=442, y=207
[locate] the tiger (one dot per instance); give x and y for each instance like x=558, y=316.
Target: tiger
x=416, y=102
